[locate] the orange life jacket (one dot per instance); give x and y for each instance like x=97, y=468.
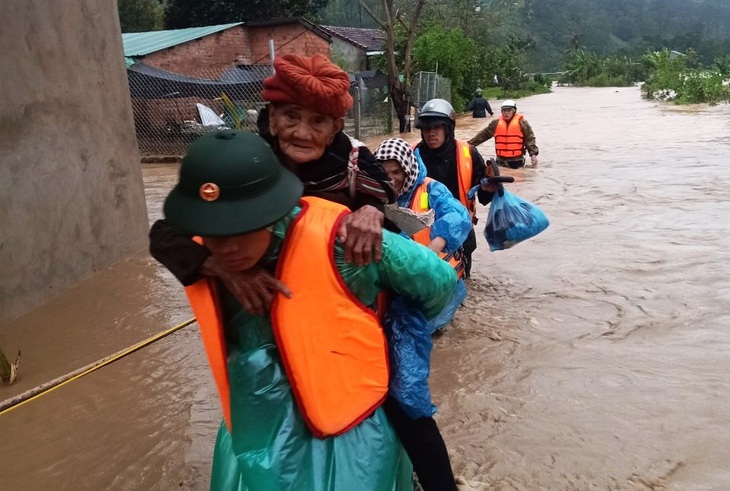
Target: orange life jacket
x=420, y=204
x=332, y=346
x=203, y=298
x=464, y=168
x=509, y=141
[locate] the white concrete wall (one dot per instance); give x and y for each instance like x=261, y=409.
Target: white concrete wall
x=353, y=57
x=71, y=190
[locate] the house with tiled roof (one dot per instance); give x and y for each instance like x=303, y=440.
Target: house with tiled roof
x=353, y=47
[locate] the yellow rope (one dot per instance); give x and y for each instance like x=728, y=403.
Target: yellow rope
x=38, y=391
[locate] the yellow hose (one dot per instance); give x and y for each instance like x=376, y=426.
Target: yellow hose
x=25, y=397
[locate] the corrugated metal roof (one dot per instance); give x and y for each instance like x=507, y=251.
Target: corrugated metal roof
x=144, y=43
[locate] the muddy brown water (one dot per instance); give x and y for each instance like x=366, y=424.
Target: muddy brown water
x=593, y=356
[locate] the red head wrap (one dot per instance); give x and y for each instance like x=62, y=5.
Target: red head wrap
x=311, y=81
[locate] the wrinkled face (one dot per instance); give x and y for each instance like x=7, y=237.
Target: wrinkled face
x=240, y=252
x=434, y=136
x=396, y=174
x=302, y=133
x=507, y=113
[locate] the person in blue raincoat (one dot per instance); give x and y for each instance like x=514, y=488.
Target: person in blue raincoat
x=409, y=331
x=452, y=222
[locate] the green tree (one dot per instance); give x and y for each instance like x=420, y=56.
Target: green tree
x=604, y=27
x=512, y=62
x=629, y=26
x=665, y=74
x=722, y=65
x=452, y=53
x=581, y=67
x=197, y=13
x=141, y=15
x=350, y=13
x=678, y=78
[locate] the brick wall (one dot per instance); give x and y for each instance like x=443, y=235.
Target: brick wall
x=288, y=39
x=210, y=55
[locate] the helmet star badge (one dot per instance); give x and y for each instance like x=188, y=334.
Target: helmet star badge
x=210, y=191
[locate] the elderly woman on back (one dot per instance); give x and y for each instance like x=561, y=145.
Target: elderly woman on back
x=308, y=98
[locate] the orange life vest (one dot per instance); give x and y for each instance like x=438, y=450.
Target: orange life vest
x=332, y=346
x=509, y=141
x=420, y=204
x=464, y=168
x=203, y=298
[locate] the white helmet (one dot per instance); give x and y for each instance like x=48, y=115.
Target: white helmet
x=509, y=104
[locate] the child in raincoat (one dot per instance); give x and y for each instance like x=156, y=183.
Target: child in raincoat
x=409, y=330
x=300, y=387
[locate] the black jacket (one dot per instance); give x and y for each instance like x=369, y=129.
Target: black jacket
x=479, y=107
x=441, y=165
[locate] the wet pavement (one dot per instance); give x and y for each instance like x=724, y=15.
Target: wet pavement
x=592, y=356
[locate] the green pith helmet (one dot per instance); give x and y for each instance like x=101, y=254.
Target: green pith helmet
x=478, y=92
x=231, y=183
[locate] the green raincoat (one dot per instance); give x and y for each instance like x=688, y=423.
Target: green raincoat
x=271, y=447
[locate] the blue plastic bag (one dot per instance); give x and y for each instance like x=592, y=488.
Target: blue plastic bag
x=512, y=220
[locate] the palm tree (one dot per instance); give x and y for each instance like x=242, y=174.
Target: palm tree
x=722, y=64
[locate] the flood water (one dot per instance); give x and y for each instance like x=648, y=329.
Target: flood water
x=593, y=356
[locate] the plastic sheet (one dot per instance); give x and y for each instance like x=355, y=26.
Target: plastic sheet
x=409, y=347
x=447, y=314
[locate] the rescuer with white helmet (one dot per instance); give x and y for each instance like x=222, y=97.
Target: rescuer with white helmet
x=513, y=137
